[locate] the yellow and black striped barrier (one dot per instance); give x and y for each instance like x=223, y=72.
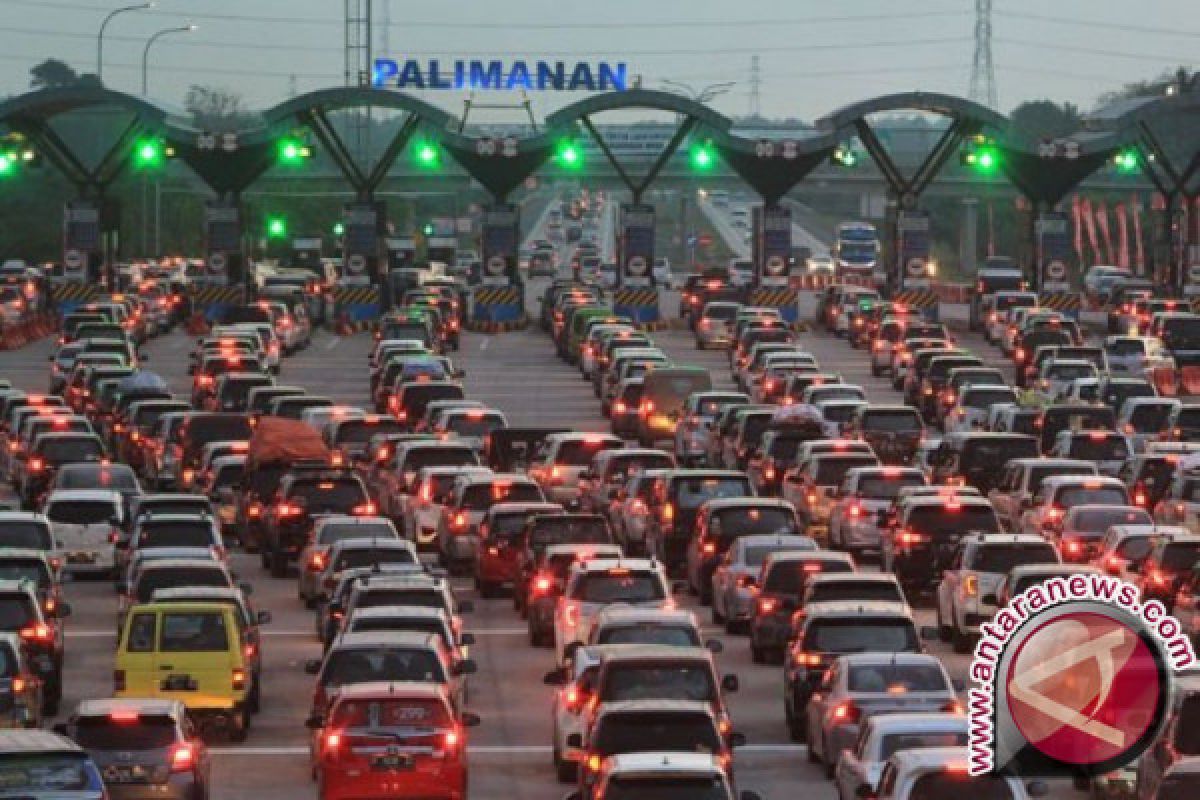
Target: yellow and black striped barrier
x=924, y=299
x=640, y=304
x=1068, y=303
x=69, y=296
x=779, y=297
x=355, y=308
x=212, y=300
x=495, y=309
x=356, y=296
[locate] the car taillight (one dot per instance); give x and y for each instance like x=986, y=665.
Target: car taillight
x=1072, y=547
x=908, y=538
x=204, y=380
x=1139, y=496
x=182, y=758
x=542, y=584
x=288, y=510
x=450, y=742
x=36, y=464
x=255, y=510
x=316, y=562
x=619, y=407
x=709, y=548
x=847, y=712
x=188, y=474
x=971, y=585
x=333, y=741
x=767, y=605
x=855, y=511
x=1112, y=565
x=238, y=679
x=769, y=473
x=803, y=659
x=40, y=632
x=954, y=707
x=1019, y=355
x=118, y=680
x=667, y=513
x=1157, y=577
x=367, y=509
x=459, y=520
x=571, y=614
x=812, y=498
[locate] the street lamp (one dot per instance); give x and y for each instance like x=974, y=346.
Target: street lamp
x=703, y=94
x=104, y=24
x=149, y=42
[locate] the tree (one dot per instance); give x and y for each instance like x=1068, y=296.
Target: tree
x=1047, y=118
x=51, y=74
x=1155, y=87
x=215, y=109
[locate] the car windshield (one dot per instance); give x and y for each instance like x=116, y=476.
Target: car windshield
x=28, y=534
x=349, y=666
x=1097, y=521
x=24, y=774
x=896, y=678
x=193, y=632
x=409, y=712
x=671, y=788
x=172, y=577
x=651, y=731
x=619, y=585
x=118, y=732
x=892, y=422
x=885, y=487
x=788, y=577
x=482, y=496
x=895, y=742
x=857, y=634
x=831, y=591
x=1180, y=556
x=650, y=633
x=749, y=521
x=956, y=785
x=1001, y=558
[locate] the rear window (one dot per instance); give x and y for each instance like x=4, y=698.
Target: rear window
x=31, y=535
x=1126, y=347
x=896, y=678
x=861, y=635
x=978, y=398
x=1108, y=448
x=482, y=496
x=173, y=577
x=662, y=681
x=678, y=387
x=669, y=635
x=361, y=431
x=956, y=785
x=177, y=533
x=1180, y=556
x=1103, y=495
x=895, y=742
x=422, y=457
x=142, y=733
x=737, y=522
x=832, y=471
x=51, y=772
x=569, y=530
x=851, y=590
x=118, y=477
x=997, y=452
x=349, y=559
x=691, y=493
x=674, y=787
x=579, y=452
x=326, y=496
x=1150, y=418
x=938, y=522
x=1187, y=727
x=425, y=597
x=382, y=664
x=193, y=632
x=33, y=570
x=475, y=424
x=1098, y=521
x=1039, y=474
x=619, y=586
x=15, y=612
x=1002, y=558
x=619, y=468
x=408, y=712
x=653, y=732
x=335, y=533
x=883, y=487
x=67, y=450
x=788, y=577
x=891, y=421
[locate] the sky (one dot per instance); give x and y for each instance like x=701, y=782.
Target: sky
x=813, y=56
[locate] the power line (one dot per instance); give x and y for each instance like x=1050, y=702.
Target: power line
x=1051, y=47
x=1076, y=22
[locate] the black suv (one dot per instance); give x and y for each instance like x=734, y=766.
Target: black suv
x=302, y=497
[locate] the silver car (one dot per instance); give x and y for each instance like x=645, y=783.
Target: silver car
x=867, y=491
x=1136, y=356
x=734, y=582
x=866, y=684
x=882, y=735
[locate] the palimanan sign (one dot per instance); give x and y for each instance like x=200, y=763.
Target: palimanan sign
x=499, y=75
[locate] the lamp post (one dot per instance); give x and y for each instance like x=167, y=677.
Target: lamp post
x=702, y=95
x=104, y=24
x=150, y=42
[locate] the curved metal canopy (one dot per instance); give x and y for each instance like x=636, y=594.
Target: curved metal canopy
x=636, y=99
x=357, y=97
x=933, y=102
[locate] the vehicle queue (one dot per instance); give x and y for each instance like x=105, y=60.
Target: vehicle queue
x=764, y=503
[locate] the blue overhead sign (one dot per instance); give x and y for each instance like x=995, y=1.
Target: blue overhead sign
x=543, y=76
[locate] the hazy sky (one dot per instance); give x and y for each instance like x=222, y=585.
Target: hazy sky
x=814, y=56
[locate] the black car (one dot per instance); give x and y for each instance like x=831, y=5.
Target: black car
x=303, y=496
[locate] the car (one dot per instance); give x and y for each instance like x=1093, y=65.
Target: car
x=303, y=497
x=942, y=772
x=565, y=456
x=426, y=748
x=714, y=324
x=500, y=536
x=20, y=685
x=464, y=512
x=1084, y=526
x=66, y=772
x=418, y=512
x=1107, y=449
x=826, y=631
x=919, y=542
x=721, y=522
x=136, y=741
x=1165, y=568
x=861, y=685
x=664, y=774
x=595, y=583
x=354, y=552
x=327, y=531
x=1059, y=493
x=1022, y=478
x=781, y=584
x=978, y=566
x=866, y=491
x=735, y=579
x=883, y=734
x=549, y=571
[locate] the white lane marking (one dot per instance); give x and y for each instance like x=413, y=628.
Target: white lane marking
x=483, y=345
x=501, y=749
x=332, y=343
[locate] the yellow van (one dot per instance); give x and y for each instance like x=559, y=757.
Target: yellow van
x=191, y=652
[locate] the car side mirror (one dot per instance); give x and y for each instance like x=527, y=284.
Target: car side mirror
x=575, y=740
x=1037, y=788
x=470, y=720
x=730, y=683
x=555, y=677
x=991, y=599
x=737, y=739
x=315, y=722
x=714, y=646
x=929, y=633
x=465, y=606
x=64, y=610
x=466, y=639
x=466, y=667
x=263, y=617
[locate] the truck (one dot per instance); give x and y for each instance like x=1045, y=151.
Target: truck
x=856, y=250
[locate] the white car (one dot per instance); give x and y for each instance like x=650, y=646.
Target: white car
x=862, y=764
x=735, y=580
x=867, y=491
x=942, y=772
x=419, y=513
x=1136, y=356
x=85, y=523
x=973, y=406
x=327, y=531
x=594, y=584
x=1058, y=374
x=996, y=321
x=568, y=706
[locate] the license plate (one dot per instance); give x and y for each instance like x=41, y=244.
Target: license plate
x=394, y=761
x=81, y=557
x=179, y=683
x=125, y=774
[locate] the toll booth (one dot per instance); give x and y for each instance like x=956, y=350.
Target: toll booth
x=912, y=249
x=401, y=252
x=223, y=260
x=771, y=249
x=306, y=253
x=636, y=295
x=364, y=226
x=441, y=248
x=82, y=249
x=499, y=301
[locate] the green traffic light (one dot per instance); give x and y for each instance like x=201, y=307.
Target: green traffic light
x=338, y=229
x=568, y=155
x=427, y=229
x=845, y=156
x=149, y=153
x=702, y=157
x=276, y=227
x=293, y=151
x=985, y=159
x=8, y=163
x=1126, y=160
x=427, y=155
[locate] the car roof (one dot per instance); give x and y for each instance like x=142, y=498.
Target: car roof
x=853, y=608
x=810, y=555
x=32, y=740
x=665, y=764
x=616, y=614
x=855, y=659
x=839, y=577
x=916, y=720
x=400, y=610
x=723, y=503
x=405, y=639
x=401, y=689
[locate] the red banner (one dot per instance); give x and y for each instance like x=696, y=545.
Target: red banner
x=1122, y=236
x=1102, y=221
x=1139, y=253
x=1077, y=224
x=1089, y=219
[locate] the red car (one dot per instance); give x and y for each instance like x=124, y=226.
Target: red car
x=500, y=541
x=391, y=740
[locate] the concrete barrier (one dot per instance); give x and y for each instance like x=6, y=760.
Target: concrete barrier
x=640, y=304
x=497, y=308
x=782, y=298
